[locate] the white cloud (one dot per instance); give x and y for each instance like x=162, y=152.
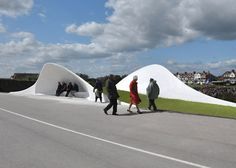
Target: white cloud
x=42, y=16
x=225, y=65
x=2, y=28
x=133, y=26
x=73, y=28
x=21, y=35
x=96, y=67
x=217, y=68
x=137, y=25
x=214, y=19
x=15, y=8
x=19, y=47
x=88, y=29
x=25, y=52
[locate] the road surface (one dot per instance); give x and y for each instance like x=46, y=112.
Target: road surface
x=60, y=132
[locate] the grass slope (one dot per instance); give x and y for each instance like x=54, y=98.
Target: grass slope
x=185, y=106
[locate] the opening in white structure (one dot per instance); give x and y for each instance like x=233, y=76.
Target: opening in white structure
x=49, y=77
x=170, y=86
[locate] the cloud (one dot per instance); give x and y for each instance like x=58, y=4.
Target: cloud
x=137, y=25
x=214, y=19
x=132, y=26
x=23, y=42
x=97, y=67
x=15, y=8
x=25, y=52
x=225, y=65
x=42, y=16
x=217, y=67
x=88, y=29
x=21, y=35
x=2, y=28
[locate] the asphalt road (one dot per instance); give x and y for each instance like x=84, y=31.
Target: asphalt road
x=47, y=132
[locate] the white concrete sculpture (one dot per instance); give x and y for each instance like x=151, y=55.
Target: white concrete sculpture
x=49, y=77
x=170, y=86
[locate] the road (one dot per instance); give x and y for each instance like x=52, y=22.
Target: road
x=44, y=131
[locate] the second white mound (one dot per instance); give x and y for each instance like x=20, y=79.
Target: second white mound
x=170, y=86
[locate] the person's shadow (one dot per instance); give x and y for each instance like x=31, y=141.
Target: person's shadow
x=142, y=112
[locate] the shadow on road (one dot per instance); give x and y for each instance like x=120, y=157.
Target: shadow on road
x=142, y=112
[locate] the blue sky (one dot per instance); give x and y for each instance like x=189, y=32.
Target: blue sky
x=100, y=37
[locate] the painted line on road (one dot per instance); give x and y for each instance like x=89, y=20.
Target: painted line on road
x=107, y=141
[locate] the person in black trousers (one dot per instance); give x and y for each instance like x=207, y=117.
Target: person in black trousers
x=69, y=88
x=112, y=95
x=59, y=88
x=153, y=91
x=98, y=90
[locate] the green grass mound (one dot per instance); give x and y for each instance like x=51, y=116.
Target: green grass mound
x=185, y=106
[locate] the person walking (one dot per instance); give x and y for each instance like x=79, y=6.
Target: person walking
x=134, y=97
x=98, y=90
x=153, y=91
x=112, y=95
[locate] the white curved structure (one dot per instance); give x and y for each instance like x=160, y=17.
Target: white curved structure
x=170, y=86
x=49, y=77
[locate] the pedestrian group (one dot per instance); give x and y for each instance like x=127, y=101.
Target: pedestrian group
x=69, y=89
x=152, y=91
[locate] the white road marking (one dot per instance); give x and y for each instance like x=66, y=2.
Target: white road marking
x=107, y=141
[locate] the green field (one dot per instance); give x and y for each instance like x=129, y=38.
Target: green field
x=185, y=106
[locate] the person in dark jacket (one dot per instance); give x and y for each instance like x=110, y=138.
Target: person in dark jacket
x=98, y=90
x=64, y=87
x=59, y=88
x=153, y=91
x=112, y=95
x=69, y=88
x=75, y=87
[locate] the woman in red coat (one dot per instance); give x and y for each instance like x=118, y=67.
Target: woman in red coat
x=134, y=97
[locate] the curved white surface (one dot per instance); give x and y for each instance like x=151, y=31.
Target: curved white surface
x=170, y=86
x=49, y=77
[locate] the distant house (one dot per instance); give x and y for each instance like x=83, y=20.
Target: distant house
x=201, y=77
x=25, y=76
x=195, y=77
x=229, y=76
x=185, y=77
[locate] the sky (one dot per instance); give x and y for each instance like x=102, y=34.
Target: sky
x=102, y=37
